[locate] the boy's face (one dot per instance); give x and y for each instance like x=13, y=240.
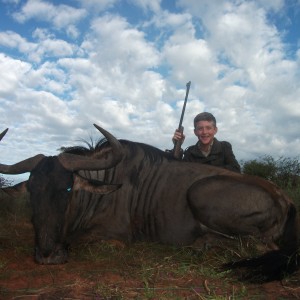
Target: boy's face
x=205, y=131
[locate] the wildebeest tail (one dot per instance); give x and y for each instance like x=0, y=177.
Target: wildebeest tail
x=276, y=264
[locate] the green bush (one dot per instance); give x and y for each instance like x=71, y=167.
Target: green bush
x=264, y=167
x=4, y=182
x=282, y=171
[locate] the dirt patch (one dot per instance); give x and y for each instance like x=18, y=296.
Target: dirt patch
x=23, y=279
x=111, y=270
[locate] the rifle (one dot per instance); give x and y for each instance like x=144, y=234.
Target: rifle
x=177, y=144
x=3, y=134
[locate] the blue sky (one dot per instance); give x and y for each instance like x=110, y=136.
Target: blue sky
x=124, y=65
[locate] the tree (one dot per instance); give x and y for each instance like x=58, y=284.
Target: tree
x=4, y=182
x=283, y=171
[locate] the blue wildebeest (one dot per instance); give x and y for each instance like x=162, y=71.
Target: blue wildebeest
x=134, y=192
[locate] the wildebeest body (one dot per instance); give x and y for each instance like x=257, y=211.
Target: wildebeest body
x=132, y=191
x=150, y=205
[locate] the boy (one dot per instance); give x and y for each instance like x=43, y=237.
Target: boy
x=208, y=150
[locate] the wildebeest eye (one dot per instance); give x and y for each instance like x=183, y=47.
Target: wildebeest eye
x=69, y=189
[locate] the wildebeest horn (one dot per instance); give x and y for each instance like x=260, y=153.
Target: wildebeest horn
x=24, y=166
x=3, y=134
x=110, y=158
x=21, y=167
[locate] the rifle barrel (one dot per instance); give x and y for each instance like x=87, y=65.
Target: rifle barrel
x=188, y=85
x=177, y=144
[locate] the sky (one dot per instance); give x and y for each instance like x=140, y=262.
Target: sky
x=124, y=65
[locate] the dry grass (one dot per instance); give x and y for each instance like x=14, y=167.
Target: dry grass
x=112, y=270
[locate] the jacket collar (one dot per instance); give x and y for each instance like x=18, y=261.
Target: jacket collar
x=216, y=147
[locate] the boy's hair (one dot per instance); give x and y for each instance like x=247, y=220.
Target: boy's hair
x=205, y=116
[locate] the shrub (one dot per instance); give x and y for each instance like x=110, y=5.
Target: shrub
x=4, y=182
x=283, y=171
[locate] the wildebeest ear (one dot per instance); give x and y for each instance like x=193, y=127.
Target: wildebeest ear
x=94, y=186
x=16, y=190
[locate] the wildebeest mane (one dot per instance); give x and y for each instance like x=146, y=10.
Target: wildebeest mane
x=151, y=153
x=90, y=147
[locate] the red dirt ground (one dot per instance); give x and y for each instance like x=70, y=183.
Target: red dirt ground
x=26, y=280
x=23, y=279
x=114, y=271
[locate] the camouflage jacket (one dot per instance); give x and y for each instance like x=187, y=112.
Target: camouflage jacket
x=221, y=155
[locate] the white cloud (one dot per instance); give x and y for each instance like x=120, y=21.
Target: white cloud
x=275, y=5
x=130, y=78
x=57, y=48
x=11, y=73
x=119, y=44
x=97, y=6
x=60, y=16
x=14, y=40
x=45, y=47
x=191, y=60
x=11, y=1
x=153, y=5
x=48, y=77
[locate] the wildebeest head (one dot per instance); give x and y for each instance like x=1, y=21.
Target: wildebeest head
x=50, y=187
x=51, y=184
